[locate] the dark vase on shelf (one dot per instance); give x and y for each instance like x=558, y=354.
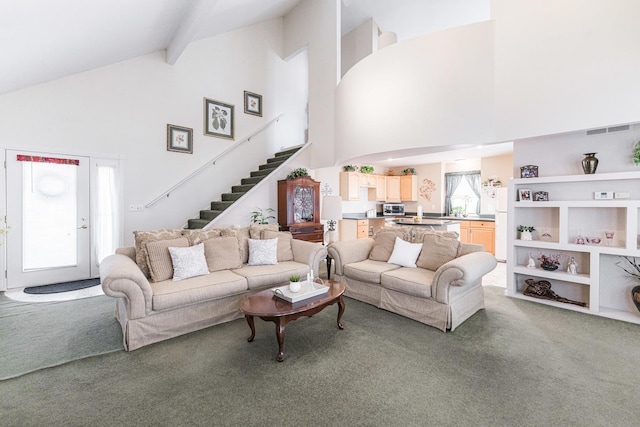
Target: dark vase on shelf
x=589, y=163
x=635, y=296
x=549, y=267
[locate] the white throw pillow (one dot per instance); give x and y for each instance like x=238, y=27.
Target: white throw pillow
x=405, y=253
x=188, y=262
x=263, y=252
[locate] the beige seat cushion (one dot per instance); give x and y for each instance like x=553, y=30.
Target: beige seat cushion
x=260, y=276
x=168, y=294
x=144, y=237
x=411, y=281
x=222, y=253
x=437, y=250
x=368, y=270
x=284, y=243
x=159, y=258
x=384, y=242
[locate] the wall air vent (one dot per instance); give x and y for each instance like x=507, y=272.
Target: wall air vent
x=611, y=129
x=618, y=128
x=597, y=131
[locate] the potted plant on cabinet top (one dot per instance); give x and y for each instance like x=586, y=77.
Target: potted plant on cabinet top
x=297, y=173
x=350, y=168
x=366, y=169
x=409, y=171
x=525, y=232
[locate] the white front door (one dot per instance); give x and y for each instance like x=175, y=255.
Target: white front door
x=48, y=214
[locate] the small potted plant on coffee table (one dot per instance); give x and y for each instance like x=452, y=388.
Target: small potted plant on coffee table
x=294, y=283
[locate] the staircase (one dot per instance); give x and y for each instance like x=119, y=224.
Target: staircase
x=237, y=191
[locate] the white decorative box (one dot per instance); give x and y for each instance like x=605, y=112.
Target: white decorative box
x=307, y=290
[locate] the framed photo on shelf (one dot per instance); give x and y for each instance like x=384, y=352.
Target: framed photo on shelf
x=529, y=171
x=252, y=103
x=179, y=139
x=524, y=195
x=540, y=196
x=218, y=119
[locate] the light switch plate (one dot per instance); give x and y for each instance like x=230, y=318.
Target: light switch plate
x=621, y=195
x=603, y=195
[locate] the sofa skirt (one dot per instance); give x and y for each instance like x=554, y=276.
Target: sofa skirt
x=162, y=325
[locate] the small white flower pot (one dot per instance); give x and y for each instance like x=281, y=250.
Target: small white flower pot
x=526, y=235
x=294, y=286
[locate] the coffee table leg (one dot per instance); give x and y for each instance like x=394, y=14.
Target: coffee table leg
x=252, y=326
x=280, y=335
x=340, y=312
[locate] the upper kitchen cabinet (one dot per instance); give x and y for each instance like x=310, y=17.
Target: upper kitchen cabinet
x=350, y=185
x=381, y=188
x=393, y=189
x=409, y=188
x=367, y=180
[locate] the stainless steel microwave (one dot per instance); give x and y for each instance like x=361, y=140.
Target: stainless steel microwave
x=393, y=209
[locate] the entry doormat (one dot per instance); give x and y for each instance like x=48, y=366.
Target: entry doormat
x=62, y=287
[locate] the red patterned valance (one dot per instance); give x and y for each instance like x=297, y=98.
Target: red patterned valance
x=41, y=159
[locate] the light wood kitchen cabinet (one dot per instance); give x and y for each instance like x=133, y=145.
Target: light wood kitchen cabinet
x=351, y=229
x=350, y=185
x=409, y=188
x=480, y=233
x=367, y=180
x=393, y=189
x=381, y=188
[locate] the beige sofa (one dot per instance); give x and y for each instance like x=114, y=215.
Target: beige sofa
x=443, y=290
x=152, y=307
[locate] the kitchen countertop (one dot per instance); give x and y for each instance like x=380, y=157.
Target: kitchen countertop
x=409, y=218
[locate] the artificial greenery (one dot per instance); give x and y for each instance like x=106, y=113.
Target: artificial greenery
x=297, y=173
x=636, y=154
x=350, y=168
x=262, y=216
x=409, y=171
x=550, y=259
x=526, y=228
x=294, y=278
x=366, y=169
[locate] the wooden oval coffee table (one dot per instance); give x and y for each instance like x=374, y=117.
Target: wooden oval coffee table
x=267, y=306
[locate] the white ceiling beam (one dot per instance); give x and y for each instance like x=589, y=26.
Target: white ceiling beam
x=194, y=19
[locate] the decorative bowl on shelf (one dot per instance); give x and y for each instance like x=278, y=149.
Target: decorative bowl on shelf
x=594, y=240
x=549, y=267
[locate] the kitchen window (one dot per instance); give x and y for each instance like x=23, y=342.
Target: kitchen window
x=463, y=193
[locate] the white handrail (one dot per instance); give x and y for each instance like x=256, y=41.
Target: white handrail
x=210, y=163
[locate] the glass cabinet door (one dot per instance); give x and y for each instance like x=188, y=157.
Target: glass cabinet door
x=303, y=203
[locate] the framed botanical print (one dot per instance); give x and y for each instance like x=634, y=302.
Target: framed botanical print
x=218, y=119
x=252, y=103
x=179, y=139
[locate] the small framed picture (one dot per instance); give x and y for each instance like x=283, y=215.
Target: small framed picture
x=524, y=195
x=218, y=119
x=179, y=139
x=252, y=103
x=529, y=171
x=540, y=196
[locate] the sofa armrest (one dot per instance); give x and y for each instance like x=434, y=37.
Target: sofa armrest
x=348, y=251
x=121, y=277
x=463, y=271
x=309, y=253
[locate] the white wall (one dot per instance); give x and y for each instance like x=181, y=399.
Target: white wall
x=562, y=154
x=315, y=25
x=565, y=65
x=432, y=90
x=122, y=111
x=357, y=44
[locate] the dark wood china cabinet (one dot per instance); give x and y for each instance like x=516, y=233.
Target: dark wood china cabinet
x=299, y=208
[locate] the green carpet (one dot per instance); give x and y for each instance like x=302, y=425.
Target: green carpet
x=39, y=335
x=515, y=363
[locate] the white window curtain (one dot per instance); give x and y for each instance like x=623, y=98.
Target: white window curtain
x=106, y=229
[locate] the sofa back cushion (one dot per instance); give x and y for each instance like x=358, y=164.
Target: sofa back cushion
x=421, y=231
x=198, y=235
x=144, y=237
x=255, y=230
x=385, y=240
x=285, y=253
x=437, y=250
x=242, y=235
x=222, y=253
x=159, y=259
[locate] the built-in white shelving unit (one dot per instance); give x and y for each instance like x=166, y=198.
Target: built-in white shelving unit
x=570, y=212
